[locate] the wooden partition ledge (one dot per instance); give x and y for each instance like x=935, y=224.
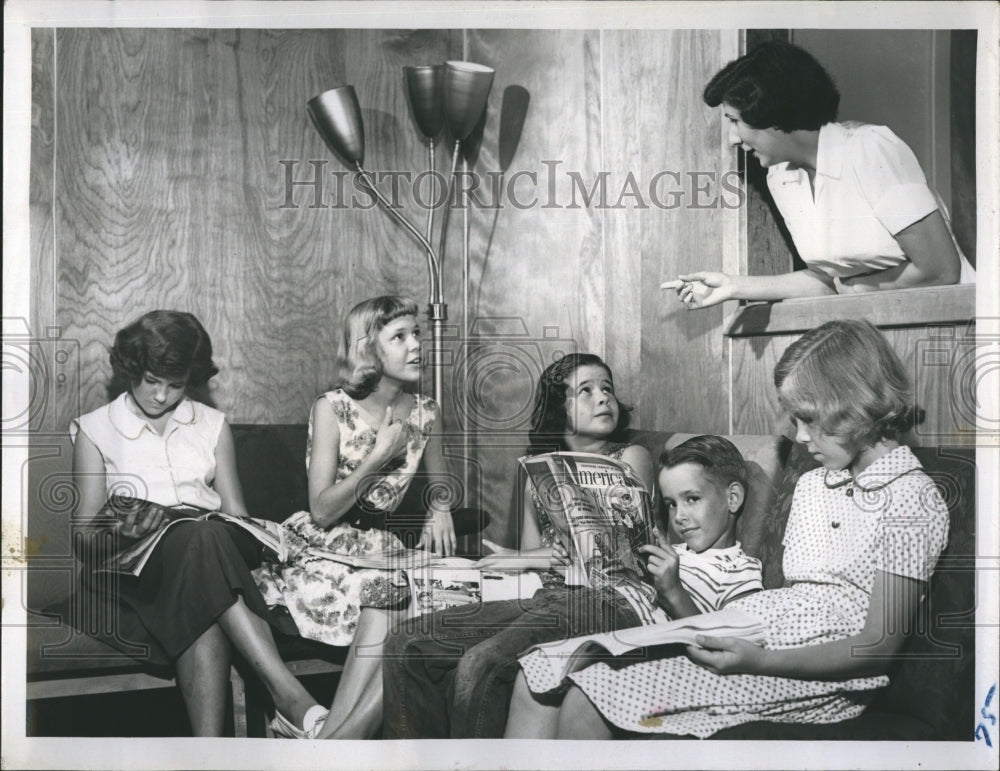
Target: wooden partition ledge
x=932, y=329
x=894, y=308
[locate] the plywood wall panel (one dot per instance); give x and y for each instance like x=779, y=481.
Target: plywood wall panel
x=939, y=361
x=625, y=141
x=170, y=146
x=49, y=393
x=682, y=377
x=530, y=303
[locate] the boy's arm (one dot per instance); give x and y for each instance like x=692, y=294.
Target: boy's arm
x=678, y=604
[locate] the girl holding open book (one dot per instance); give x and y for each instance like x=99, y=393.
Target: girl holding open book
x=368, y=438
x=195, y=598
x=862, y=539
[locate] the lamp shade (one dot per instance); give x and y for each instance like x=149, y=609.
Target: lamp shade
x=425, y=87
x=466, y=87
x=336, y=115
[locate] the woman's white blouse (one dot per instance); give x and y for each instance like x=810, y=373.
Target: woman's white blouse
x=175, y=468
x=869, y=187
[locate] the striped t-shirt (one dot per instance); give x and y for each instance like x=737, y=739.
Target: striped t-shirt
x=716, y=576
x=712, y=578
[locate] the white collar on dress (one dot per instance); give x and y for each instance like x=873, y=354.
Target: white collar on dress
x=130, y=425
x=830, y=152
x=829, y=156
x=887, y=469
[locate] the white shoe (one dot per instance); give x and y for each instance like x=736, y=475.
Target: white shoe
x=312, y=722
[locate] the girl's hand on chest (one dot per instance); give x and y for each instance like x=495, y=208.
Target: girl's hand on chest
x=390, y=439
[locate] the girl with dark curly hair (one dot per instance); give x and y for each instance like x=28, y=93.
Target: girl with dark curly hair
x=195, y=599
x=451, y=674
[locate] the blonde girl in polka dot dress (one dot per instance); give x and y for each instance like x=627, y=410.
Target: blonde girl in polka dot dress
x=863, y=536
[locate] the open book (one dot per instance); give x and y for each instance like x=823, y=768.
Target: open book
x=448, y=582
x=133, y=558
x=568, y=656
x=602, y=511
x=395, y=559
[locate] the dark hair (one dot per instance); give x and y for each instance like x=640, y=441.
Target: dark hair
x=548, y=417
x=170, y=344
x=776, y=85
x=717, y=456
x=360, y=364
x=846, y=378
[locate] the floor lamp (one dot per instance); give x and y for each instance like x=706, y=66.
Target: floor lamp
x=336, y=114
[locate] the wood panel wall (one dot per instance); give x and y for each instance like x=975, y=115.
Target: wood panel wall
x=940, y=361
x=157, y=182
x=587, y=279
x=169, y=192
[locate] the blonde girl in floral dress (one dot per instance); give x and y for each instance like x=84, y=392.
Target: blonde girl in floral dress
x=367, y=439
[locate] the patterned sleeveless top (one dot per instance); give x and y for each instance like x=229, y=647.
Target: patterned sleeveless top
x=384, y=490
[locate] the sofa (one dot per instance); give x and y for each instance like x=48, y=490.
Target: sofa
x=930, y=696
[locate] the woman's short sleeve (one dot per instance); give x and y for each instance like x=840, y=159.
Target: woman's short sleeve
x=890, y=178
x=914, y=528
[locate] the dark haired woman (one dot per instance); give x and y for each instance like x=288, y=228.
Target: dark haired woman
x=852, y=195
x=195, y=598
x=451, y=674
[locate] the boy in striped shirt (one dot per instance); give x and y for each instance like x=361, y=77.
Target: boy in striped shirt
x=703, y=484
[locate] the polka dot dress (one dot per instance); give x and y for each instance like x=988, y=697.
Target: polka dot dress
x=840, y=532
x=711, y=578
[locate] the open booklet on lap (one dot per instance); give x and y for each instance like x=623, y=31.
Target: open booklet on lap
x=132, y=557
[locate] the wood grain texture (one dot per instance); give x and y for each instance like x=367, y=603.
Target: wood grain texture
x=171, y=194
x=47, y=393
x=940, y=361
x=683, y=377
x=625, y=142
x=529, y=260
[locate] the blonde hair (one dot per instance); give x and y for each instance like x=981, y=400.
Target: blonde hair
x=845, y=378
x=360, y=364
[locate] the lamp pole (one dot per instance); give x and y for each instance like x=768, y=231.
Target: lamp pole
x=455, y=92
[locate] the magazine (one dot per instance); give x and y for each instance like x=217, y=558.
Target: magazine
x=514, y=562
x=568, y=656
x=601, y=509
x=394, y=559
x=439, y=586
x=132, y=558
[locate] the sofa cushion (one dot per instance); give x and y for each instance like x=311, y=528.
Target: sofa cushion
x=933, y=678
x=271, y=461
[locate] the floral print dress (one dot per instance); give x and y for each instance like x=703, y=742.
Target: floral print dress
x=324, y=597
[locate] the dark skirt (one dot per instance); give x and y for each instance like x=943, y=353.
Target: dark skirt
x=196, y=573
